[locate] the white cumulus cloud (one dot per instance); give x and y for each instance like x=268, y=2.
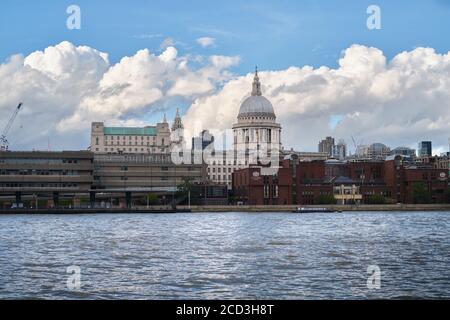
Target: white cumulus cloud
x=66, y=87
x=398, y=102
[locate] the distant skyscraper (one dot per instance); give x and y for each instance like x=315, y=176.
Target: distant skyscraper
x=378, y=151
x=339, y=151
x=425, y=149
x=326, y=145
x=403, y=151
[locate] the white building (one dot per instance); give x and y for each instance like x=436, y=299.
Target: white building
x=256, y=127
x=256, y=133
x=149, y=139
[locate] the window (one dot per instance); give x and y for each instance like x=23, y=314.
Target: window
x=275, y=191
x=266, y=191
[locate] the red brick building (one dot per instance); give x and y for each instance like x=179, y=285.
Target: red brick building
x=263, y=186
x=308, y=183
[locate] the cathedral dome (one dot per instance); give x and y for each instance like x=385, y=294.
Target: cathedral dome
x=256, y=104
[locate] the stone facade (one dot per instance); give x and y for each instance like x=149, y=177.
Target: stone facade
x=135, y=140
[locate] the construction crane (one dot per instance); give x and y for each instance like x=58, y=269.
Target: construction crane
x=4, y=145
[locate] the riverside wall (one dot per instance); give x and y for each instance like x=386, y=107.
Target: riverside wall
x=289, y=208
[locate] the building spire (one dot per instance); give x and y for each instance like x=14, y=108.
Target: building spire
x=256, y=90
x=165, y=118
x=177, y=123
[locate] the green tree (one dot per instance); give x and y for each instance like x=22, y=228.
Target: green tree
x=153, y=199
x=183, y=191
x=377, y=199
x=420, y=193
x=325, y=199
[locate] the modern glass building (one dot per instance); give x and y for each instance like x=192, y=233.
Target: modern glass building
x=425, y=149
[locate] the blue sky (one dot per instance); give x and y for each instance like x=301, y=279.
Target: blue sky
x=272, y=34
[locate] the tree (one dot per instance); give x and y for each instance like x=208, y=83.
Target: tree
x=185, y=189
x=152, y=199
x=420, y=193
x=377, y=199
x=325, y=199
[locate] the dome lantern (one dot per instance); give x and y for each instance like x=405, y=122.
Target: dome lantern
x=256, y=105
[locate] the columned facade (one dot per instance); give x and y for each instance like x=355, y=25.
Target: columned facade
x=256, y=132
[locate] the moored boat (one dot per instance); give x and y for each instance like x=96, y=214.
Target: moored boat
x=313, y=210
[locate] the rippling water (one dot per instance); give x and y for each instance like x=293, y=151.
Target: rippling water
x=226, y=255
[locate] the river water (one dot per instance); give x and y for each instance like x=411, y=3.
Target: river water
x=225, y=256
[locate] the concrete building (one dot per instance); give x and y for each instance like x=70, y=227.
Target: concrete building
x=305, y=155
x=339, y=151
x=403, y=151
x=27, y=178
x=136, y=140
x=35, y=175
x=326, y=146
x=142, y=173
x=222, y=164
x=378, y=151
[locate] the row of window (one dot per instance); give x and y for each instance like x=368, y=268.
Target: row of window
x=38, y=185
x=37, y=161
x=40, y=172
x=221, y=177
x=267, y=191
x=130, y=143
x=131, y=150
x=97, y=141
x=107, y=137
x=219, y=170
x=124, y=178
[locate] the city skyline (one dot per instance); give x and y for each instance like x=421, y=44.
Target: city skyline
x=372, y=87
x=228, y=158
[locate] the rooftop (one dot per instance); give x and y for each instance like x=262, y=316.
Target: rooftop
x=124, y=131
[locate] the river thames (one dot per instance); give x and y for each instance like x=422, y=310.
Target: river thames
x=225, y=255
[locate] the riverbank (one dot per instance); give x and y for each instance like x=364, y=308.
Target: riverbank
x=94, y=211
x=290, y=208
x=202, y=209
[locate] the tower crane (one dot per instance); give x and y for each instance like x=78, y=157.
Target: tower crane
x=4, y=145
